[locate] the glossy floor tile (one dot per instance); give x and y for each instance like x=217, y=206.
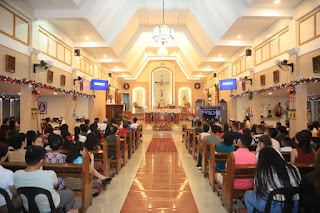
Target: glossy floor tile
x=160, y=184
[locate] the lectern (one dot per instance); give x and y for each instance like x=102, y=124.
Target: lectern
x=113, y=111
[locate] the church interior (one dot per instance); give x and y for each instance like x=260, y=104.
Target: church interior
x=159, y=106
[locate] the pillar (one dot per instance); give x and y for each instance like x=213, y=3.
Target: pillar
x=70, y=107
x=91, y=109
x=233, y=108
x=300, y=104
x=27, y=103
x=100, y=104
x=255, y=106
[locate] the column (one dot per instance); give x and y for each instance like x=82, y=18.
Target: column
x=91, y=109
x=100, y=104
x=70, y=107
x=300, y=104
x=255, y=106
x=27, y=103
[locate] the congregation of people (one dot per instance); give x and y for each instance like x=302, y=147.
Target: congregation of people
x=55, y=145
x=264, y=146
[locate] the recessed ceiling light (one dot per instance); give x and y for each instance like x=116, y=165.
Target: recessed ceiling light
x=19, y=93
x=200, y=73
x=116, y=66
x=276, y=1
x=239, y=36
x=270, y=93
x=220, y=55
x=86, y=38
x=55, y=93
x=105, y=56
x=208, y=66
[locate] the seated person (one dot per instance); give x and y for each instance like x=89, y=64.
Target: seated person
x=205, y=131
x=92, y=142
x=75, y=152
x=110, y=128
x=94, y=130
x=47, y=132
x=124, y=130
x=134, y=125
x=19, y=143
x=226, y=146
x=103, y=126
x=242, y=156
x=129, y=128
x=304, y=152
x=281, y=133
x=55, y=142
x=77, y=135
x=272, y=132
x=272, y=172
x=219, y=133
x=235, y=134
x=213, y=138
x=84, y=130
x=37, y=141
x=198, y=128
x=34, y=176
x=112, y=139
x=6, y=182
x=259, y=132
x=30, y=135
x=286, y=145
x=310, y=189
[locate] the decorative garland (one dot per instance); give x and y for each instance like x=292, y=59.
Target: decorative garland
x=9, y=98
x=280, y=86
x=313, y=99
x=44, y=86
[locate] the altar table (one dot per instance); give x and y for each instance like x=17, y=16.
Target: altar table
x=162, y=115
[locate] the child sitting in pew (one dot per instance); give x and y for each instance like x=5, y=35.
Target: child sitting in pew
x=286, y=145
x=272, y=172
x=75, y=152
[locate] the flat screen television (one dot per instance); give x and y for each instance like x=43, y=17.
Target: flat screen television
x=99, y=84
x=228, y=84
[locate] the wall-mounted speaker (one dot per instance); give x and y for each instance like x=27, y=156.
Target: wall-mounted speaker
x=110, y=74
x=248, y=52
x=77, y=52
x=215, y=75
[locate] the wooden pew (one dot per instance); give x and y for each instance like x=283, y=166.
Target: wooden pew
x=195, y=144
x=234, y=172
x=68, y=170
x=124, y=149
x=184, y=132
x=116, y=162
x=130, y=144
x=215, y=157
x=305, y=168
x=205, y=151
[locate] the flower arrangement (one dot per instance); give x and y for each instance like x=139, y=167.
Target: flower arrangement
x=162, y=127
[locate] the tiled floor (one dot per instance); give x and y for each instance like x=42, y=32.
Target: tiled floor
x=160, y=184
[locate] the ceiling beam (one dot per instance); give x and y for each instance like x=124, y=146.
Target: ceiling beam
x=268, y=13
x=234, y=43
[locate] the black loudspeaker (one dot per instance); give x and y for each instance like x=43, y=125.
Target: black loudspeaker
x=215, y=75
x=110, y=75
x=248, y=52
x=77, y=52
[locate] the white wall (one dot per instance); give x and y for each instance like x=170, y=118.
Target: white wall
x=55, y=106
x=242, y=105
x=82, y=107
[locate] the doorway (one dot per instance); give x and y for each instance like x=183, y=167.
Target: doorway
x=126, y=101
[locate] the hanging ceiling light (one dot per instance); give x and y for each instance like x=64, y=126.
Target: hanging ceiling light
x=162, y=51
x=162, y=34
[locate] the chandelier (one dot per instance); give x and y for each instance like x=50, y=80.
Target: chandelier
x=162, y=34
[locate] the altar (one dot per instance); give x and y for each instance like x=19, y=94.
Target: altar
x=162, y=115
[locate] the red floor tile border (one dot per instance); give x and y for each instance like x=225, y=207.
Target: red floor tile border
x=160, y=184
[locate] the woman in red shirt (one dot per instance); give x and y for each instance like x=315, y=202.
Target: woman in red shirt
x=304, y=153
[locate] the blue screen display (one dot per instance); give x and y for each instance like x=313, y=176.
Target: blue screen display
x=99, y=85
x=228, y=84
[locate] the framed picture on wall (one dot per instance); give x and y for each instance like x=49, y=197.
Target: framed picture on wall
x=10, y=63
x=42, y=107
x=263, y=80
x=63, y=80
x=50, y=76
x=276, y=76
x=316, y=64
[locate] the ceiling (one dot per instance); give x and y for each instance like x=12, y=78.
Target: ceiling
x=118, y=34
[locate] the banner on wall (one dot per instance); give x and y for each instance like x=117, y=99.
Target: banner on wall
x=228, y=84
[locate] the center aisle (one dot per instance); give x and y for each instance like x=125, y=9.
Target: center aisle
x=160, y=184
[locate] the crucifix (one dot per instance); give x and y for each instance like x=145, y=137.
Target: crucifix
x=161, y=85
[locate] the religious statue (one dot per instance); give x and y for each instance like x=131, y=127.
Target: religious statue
x=262, y=110
x=278, y=110
x=269, y=110
x=161, y=83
